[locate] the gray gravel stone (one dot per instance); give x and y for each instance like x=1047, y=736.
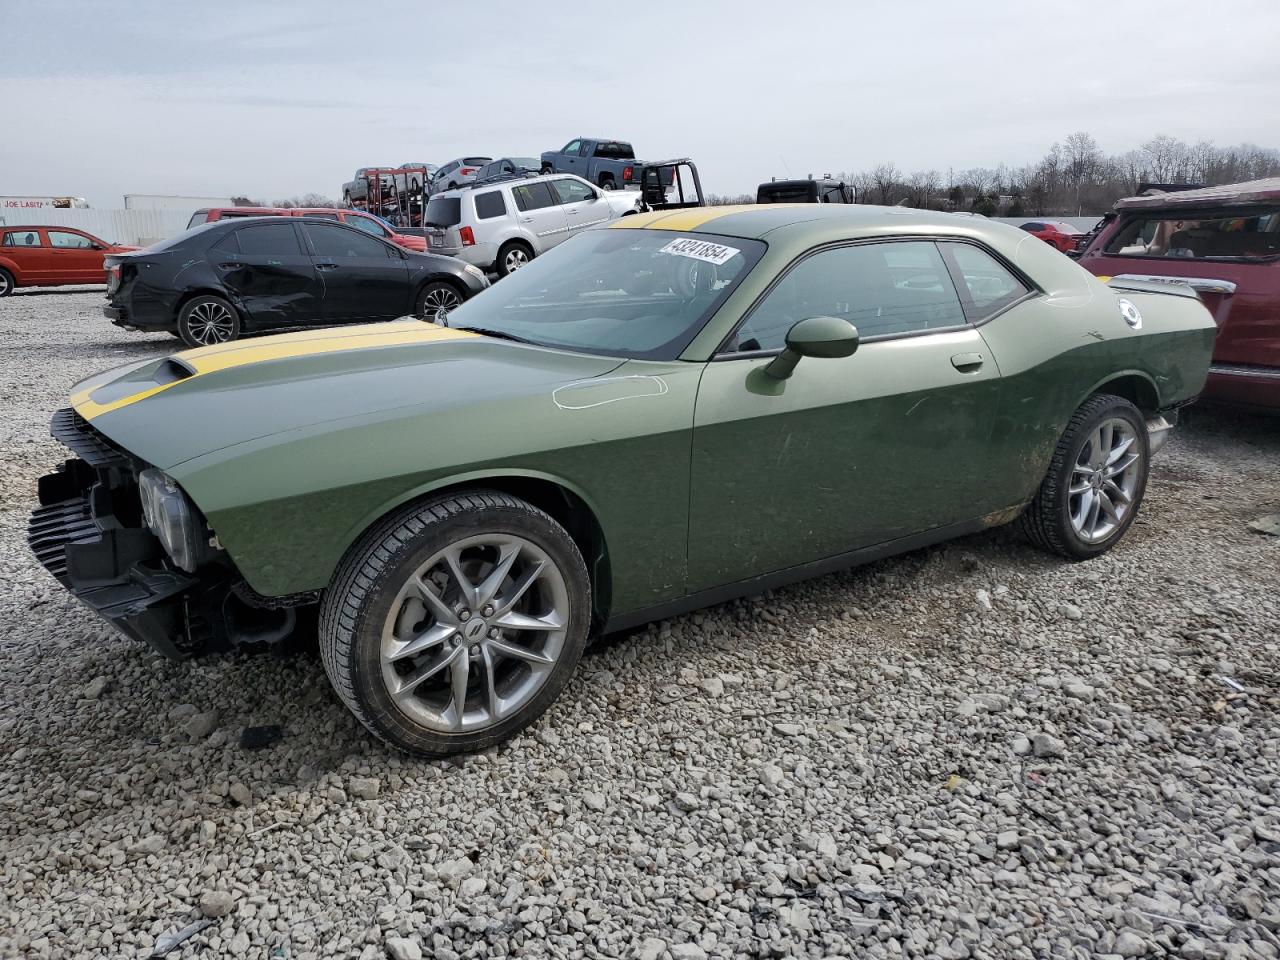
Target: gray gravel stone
x=402, y=948
x=363, y=788
x=216, y=903
x=201, y=725
x=1045, y=745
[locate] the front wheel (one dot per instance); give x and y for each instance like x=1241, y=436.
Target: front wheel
x=607, y=184
x=436, y=300
x=6, y=283
x=454, y=624
x=1095, y=483
x=204, y=321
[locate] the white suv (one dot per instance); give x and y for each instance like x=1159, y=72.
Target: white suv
x=502, y=225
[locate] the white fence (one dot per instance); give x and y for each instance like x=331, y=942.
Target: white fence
x=137, y=227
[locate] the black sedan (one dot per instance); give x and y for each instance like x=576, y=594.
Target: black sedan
x=215, y=282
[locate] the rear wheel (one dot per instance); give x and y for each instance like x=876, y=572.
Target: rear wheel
x=206, y=320
x=6, y=283
x=456, y=623
x=1095, y=483
x=436, y=300
x=512, y=257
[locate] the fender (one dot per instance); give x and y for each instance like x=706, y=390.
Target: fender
x=472, y=478
x=1120, y=375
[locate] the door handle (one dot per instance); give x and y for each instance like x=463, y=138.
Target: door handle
x=967, y=362
x=571, y=213
x=526, y=219
x=326, y=266
x=229, y=266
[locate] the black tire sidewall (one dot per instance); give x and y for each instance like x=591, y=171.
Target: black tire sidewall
x=501, y=265
x=184, y=332
x=1073, y=442
x=8, y=287
x=420, y=304
x=376, y=708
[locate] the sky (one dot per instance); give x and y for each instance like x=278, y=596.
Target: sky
x=276, y=98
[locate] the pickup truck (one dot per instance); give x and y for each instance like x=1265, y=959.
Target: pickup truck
x=357, y=188
x=609, y=164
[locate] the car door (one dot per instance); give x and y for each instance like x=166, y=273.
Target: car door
x=266, y=271
x=75, y=257
x=571, y=159
x=539, y=210
x=363, y=278
x=849, y=452
x=583, y=206
x=29, y=253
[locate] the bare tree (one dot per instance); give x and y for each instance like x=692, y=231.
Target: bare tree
x=885, y=180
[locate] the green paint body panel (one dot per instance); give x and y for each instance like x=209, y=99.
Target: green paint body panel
x=700, y=471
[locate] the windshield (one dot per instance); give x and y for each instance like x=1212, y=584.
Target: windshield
x=619, y=292
x=1200, y=236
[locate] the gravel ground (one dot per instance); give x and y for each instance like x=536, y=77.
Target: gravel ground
x=973, y=750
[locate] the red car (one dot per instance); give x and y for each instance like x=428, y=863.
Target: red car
x=358, y=219
x=1224, y=242
x=1059, y=235
x=51, y=257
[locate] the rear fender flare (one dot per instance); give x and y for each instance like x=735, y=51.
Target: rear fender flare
x=1147, y=398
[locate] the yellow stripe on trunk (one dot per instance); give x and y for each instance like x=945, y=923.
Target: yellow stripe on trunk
x=690, y=219
x=225, y=356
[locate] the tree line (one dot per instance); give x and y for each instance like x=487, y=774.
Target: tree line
x=1074, y=178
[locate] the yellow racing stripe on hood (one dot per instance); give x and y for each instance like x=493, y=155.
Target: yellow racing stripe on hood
x=225, y=356
x=690, y=219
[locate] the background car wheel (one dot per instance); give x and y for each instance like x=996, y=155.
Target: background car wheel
x=206, y=320
x=436, y=300
x=454, y=624
x=6, y=283
x=513, y=256
x=546, y=170
x=1095, y=483
x=607, y=183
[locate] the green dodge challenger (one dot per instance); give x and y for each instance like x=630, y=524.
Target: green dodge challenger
x=678, y=409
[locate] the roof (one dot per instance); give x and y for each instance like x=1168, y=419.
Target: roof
x=1226, y=195
x=753, y=221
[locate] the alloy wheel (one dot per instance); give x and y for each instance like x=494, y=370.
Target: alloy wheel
x=211, y=323
x=515, y=259
x=437, y=303
x=4, y=283
x=474, y=633
x=1104, y=480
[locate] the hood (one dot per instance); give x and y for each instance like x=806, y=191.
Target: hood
x=188, y=404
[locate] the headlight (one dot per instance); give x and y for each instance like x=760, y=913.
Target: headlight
x=478, y=274
x=169, y=515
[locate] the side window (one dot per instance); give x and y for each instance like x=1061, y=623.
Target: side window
x=572, y=148
x=490, y=205
x=988, y=284
x=22, y=238
x=534, y=196
x=338, y=242
x=571, y=191
x=321, y=216
x=69, y=241
x=371, y=227
x=883, y=289
x=268, y=240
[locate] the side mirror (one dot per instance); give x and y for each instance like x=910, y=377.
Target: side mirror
x=814, y=337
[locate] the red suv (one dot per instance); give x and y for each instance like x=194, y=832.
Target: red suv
x=1224, y=242
x=1059, y=235
x=356, y=218
x=51, y=257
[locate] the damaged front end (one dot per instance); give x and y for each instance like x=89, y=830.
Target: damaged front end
x=129, y=543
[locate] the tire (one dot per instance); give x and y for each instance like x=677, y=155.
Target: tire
x=6, y=282
x=513, y=255
x=394, y=618
x=452, y=185
x=434, y=298
x=1104, y=457
x=546, y=169
x=207, y=320
x=606, y=183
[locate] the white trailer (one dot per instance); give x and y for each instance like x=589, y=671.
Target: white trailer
x=156, y=201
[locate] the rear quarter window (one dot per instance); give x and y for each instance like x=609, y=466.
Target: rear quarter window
x=490, y=205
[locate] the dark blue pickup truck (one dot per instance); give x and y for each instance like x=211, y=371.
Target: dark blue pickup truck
x=609, y=164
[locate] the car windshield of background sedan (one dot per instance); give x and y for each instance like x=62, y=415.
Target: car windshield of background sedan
x=627, y=293
x=1252, y=237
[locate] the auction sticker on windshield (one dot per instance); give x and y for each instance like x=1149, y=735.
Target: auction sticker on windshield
x=716, y=253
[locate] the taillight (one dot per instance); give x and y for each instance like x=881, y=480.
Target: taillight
x=468, y=238
x=626, y=173
x=467, y=171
